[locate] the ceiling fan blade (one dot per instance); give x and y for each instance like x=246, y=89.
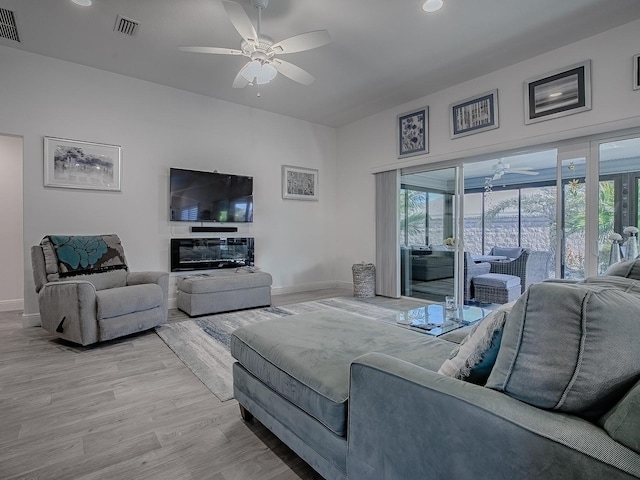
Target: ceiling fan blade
x=212, y=50
x=523, y=172
x=240, y=20
x=240, y=81
x=302, y=42
x=294, y=72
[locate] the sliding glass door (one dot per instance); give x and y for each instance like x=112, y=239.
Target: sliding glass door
x=428, y=234
x=573, y=202
x=511, y=201
x=571, y=260
x=618, y=199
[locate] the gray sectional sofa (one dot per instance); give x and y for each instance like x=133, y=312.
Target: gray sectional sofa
x=546, y=387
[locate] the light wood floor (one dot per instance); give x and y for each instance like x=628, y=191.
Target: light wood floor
x=127, y=409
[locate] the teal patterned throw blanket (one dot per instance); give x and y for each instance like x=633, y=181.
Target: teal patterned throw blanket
x=81, y=254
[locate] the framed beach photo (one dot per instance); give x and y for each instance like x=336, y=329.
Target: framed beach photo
x=636, y=72
x=559, y=93
x=474, y=115
x=299, y=183
x=78, y=164
x=413, y=130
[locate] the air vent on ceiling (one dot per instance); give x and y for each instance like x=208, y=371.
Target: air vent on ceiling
x=8, y=27
x=126, y=26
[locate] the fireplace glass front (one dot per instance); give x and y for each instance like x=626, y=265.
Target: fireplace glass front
x=210, y=253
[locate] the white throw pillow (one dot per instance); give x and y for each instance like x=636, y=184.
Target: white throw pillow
x=473, y=359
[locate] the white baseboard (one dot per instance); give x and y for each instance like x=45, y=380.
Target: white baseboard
x=31, y=320
x=9, y=305
x=309, y=287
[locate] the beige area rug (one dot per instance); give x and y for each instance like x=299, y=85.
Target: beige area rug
x=203, y=343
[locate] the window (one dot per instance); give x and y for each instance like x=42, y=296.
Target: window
x=510, y=217
x=425, y=216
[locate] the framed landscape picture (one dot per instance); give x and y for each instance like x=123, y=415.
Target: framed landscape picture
x=474, y=115
x=78, y=164
x=412, y=133
x=299, y=183
x=559, y=93
x=636, y=72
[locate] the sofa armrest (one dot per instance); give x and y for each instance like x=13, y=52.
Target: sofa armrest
x=138, y=278
x=68, y=309
x=409, y=422
x=159, y=278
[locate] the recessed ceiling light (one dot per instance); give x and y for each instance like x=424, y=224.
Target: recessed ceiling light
x=432, y=5
x=82, y=3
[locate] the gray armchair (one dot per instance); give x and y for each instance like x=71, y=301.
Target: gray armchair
x=472, y=269
x=86, y=293
x=531, y=267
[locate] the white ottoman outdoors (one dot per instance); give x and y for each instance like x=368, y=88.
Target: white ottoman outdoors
x=223, y=291
x=496, y=288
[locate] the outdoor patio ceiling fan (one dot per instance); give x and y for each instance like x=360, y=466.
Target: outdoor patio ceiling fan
x=501, y=168
x=264, y=64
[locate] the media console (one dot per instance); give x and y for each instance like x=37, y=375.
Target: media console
x=189, y=254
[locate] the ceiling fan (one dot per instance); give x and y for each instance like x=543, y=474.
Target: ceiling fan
x=501, y=168
x=264, y=64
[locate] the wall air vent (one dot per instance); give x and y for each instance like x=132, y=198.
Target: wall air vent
x=8, y=27
x=126, y=26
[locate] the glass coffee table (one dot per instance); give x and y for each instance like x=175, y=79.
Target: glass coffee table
x=436, y=320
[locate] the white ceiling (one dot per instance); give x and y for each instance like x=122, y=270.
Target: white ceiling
x=384, y=52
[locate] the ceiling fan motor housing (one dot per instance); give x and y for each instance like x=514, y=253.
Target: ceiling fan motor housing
x=260, y=3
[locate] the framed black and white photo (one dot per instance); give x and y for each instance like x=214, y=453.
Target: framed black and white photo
x=299, y=183
x=412, y=133
x=636, y=72
x=559, y=93
x=474, y=115
x=78, y=164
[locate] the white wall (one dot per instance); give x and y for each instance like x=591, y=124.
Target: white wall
x=369, y=145
x=11, y=291
x=160, y=127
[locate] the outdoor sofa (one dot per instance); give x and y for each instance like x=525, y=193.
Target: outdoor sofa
x=546, y=387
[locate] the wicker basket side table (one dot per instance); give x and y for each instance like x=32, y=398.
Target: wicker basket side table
x=364, y=280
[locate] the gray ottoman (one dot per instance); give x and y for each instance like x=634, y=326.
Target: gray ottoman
x=496, y=288
x=223, y=291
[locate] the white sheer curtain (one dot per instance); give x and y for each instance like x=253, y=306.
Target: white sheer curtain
x=387, y=234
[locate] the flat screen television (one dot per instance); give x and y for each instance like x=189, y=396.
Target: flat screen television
x=197, y=196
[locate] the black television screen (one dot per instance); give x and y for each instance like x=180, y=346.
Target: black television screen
x=210, y=197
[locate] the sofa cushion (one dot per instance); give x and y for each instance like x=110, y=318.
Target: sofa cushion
x=115, y=302
x=105, y=280
x=474, y=358
x=497, y=280
x=306, y=358
x=627, y=285
x=570, y=347
x=628, y=269
x=223, y=281
x=622, y=423
x=510, y=252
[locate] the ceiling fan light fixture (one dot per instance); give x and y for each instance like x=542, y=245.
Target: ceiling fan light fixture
x=82, y=3
x=258, y=72
x=431, y=6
